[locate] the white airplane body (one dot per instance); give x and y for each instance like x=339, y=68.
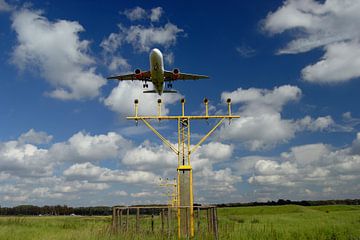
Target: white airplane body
x=158, y=75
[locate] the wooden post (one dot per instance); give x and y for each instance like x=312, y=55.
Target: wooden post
x=216, y=232
x=198, y=221
x=169, y=222
x=137, y=220
x=152, y=223
x=208, y=220
x=127, y=219
x=120, y=219
x=114, y=219
x=162, y=221
x=211, y=220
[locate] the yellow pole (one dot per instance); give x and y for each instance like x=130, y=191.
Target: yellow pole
x=191, y=206
x=178, y=179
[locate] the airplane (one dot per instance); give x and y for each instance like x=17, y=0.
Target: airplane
x=157, y=75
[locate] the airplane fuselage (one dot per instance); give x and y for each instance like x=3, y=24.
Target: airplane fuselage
x=157, y=70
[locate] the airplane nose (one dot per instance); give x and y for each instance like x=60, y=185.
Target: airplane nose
x=155, y=51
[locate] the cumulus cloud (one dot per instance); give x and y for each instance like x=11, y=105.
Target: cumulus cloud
x=156, y=14
x=138, y=13
x=88, y=171
x=312, y=168
x=134, y=14
x=150, y=157
x=339, y=64
x=55, y=50
x=83, y=147
x=35, y=137
x=143, y=38
x=121, y=100
x=261, y=125
x=332, y=25
x=318, y=124
x=4, y=6
x=24, y=160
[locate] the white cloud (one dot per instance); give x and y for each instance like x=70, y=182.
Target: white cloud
x=246, y=51
x=169, y=57
x=156, y=14
x=215, y=184
x=25, y=160
x=138, y=13
x=141, y=194
x=119, y=64
x=56, y=51
x=134, y=14
x=318, y=169
x=332, y=25
x=121, y=100
x=113, y=59
x=143, y=38
x=88, y=171
x=120, y=193
x=261, y=125
x=150, y=157
x=355, y=147
x=318, y=124
x=4, y=6
x=339, y=64
x=35, y=137
x=216, y=151
x=83, y=147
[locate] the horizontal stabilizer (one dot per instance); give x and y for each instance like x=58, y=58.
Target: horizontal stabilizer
x=149, y=91
x=169, y=91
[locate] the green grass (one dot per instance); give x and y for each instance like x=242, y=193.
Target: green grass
x=271, y=222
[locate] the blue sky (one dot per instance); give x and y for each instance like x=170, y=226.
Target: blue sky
x=291, y=68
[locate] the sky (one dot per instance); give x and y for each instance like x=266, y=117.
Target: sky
x=290, y=67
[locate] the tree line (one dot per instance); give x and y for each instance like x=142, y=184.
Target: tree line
x=57, y=210
x=289, y=202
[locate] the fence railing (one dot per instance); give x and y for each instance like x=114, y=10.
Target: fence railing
x=162, y=221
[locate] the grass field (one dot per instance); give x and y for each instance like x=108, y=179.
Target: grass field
x=271, y=222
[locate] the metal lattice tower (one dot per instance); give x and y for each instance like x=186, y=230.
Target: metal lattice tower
x=183, y=150
x=171, y=190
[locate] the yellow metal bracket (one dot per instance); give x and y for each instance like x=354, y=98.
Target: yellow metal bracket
x=160, y=136
x=206, y=136
x=184, y=167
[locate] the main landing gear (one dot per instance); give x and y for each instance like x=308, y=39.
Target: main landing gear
x=145, y=85
x=169, y=85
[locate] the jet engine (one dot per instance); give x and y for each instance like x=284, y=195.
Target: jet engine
x=138, y=74
x=176, y=73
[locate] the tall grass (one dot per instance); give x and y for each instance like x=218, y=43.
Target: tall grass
x=271, y=222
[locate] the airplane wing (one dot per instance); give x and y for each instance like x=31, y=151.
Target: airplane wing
x=169, y=76
x=132, y=76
